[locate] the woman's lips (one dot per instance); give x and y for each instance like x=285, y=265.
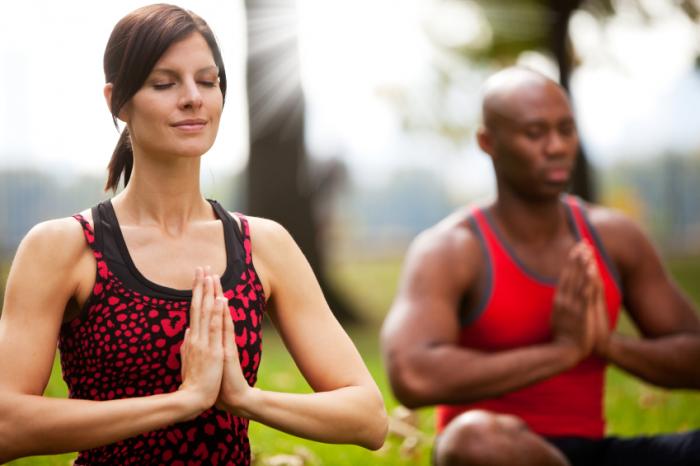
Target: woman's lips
x=190, y=125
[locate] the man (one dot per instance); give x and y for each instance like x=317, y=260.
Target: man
x=504, y=314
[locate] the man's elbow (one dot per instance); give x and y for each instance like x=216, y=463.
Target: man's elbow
x=412, y=398
x=410, y=387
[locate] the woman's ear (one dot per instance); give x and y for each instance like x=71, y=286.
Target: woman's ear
x=107, y=91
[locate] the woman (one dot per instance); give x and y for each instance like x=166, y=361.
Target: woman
x=161, y=368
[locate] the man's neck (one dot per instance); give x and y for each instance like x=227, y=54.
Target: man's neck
x=532, y=221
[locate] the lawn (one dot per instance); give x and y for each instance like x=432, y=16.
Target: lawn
x=632, y=407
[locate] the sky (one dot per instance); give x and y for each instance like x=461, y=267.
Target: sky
x=636, y=94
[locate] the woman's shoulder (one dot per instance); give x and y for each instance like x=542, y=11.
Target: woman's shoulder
x=267, y=235
x=59, y=240
x=262, y=227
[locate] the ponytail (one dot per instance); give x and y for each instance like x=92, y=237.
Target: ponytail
x=122, y=161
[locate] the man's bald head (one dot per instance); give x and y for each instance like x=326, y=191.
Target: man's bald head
x=529, y=132
x=511, y=93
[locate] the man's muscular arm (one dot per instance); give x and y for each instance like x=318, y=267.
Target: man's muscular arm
x=668, y=353
x=420, y=335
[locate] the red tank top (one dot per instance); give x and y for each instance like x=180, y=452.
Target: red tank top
x=515, y=312
x=126, y=343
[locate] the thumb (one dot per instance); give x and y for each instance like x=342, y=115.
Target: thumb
x=229, y=334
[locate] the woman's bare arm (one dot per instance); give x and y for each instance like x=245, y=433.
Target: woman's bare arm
x=47, y=272
x=347, y=406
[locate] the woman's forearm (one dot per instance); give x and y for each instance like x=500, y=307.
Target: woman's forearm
x=347, y=415
x=32, y=424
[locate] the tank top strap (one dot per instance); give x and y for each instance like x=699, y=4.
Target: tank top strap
x=490, y=238
x=577, y=217
x=89, y=234
x=479, y=227
x=245, y=238
x=588, y=231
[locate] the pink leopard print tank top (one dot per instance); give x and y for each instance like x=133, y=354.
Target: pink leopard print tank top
x=126, y=343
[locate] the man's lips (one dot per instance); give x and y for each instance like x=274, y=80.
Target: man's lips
x=557, y=175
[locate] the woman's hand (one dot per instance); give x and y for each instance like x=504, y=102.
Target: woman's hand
x=235, y=391
x=202, y=350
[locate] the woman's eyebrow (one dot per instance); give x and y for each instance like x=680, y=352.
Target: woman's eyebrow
x=175, y=73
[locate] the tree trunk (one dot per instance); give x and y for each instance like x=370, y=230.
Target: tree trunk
x=277, y=179
x=582, y=183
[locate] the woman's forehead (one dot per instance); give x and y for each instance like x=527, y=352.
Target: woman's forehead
x=191, y=52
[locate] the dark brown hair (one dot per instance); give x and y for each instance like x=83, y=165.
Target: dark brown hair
x=137, y=42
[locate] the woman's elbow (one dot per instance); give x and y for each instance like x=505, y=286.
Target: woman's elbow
x=377, y=424
x=10, y=448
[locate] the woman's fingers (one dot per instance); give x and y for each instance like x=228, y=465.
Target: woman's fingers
x=184, y=349
x=218, y=290
x=196, y=306
x=207, y=308
x=230, y=348
x=218, y=306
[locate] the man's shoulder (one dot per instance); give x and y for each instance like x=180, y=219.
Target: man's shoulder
x=621, y=236
x=611, y=222
x=450, y=239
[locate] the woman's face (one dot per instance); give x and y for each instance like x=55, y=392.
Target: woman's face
x=177, y=111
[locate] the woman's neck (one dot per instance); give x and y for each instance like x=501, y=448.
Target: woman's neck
x=166, y=195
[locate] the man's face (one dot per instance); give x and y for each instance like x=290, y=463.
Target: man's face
x=534, y=141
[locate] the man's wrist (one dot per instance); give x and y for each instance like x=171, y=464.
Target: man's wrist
x=608, y=349
x=568, y=354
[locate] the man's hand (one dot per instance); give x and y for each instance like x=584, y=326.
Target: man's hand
x=573, y=317
x=599, y=309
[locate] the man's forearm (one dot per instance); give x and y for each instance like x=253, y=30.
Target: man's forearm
x=448, y=374
x=672, y=361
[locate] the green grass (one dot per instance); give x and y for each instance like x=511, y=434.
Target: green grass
x=631, y=407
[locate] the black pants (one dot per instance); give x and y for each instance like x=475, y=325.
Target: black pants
x=658, y=450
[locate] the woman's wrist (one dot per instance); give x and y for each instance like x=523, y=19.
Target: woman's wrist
x=187, y=404
x=242, y=404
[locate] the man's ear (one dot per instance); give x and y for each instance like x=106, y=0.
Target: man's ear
x=107, y=92
x=485, y=140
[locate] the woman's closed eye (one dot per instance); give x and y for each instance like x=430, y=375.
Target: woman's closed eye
x=163, y=86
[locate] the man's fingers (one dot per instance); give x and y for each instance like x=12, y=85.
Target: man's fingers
x=564, y=286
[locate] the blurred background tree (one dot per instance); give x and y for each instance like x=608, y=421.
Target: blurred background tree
x=279, y=183
x=496, y=33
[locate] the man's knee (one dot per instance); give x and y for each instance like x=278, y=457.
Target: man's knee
x=477, y=438
x=481, y=438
